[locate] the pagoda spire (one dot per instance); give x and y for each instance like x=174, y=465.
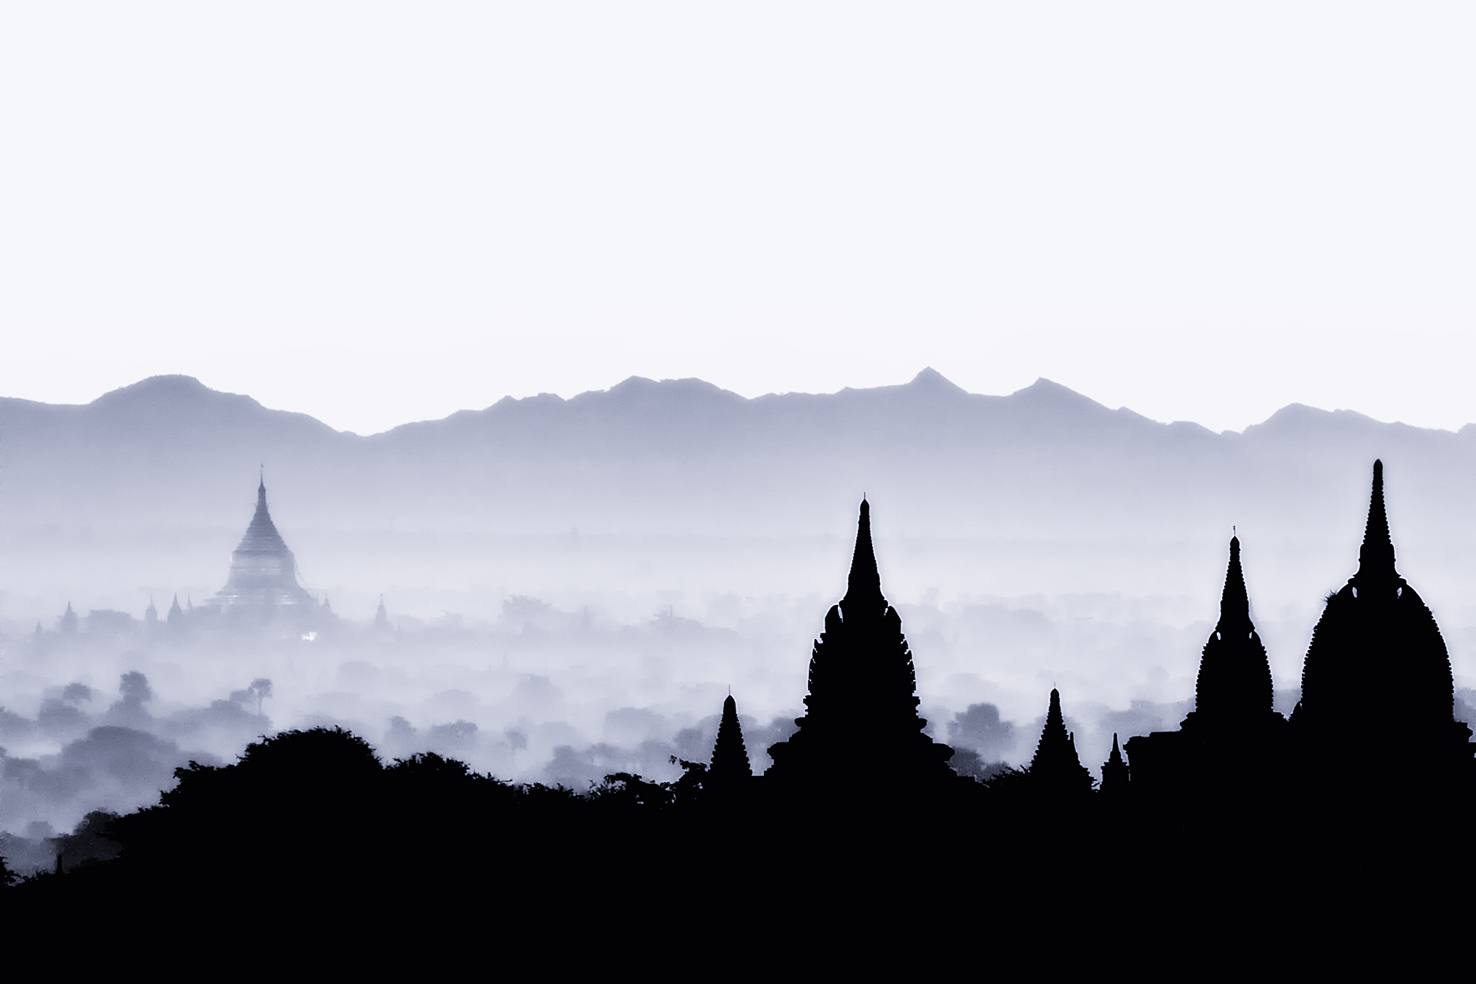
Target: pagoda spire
x=1056, y=768
x=1234, y=672
x=729, y=756
x=1376, y=555
x=863, y=586
x=1234, y=600
x=1115, y=774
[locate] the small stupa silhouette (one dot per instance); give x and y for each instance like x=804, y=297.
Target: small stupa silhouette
x=729, y=756
x=1115, y=772
x=1234, y=687
x=1056, y=769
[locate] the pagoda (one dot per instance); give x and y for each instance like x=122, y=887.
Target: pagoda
x=1115, y=772
x=861, y=727
x=1056, y=770
x=729, y=766
x=1377, y=651
x=1233, y=738
x=263, y=579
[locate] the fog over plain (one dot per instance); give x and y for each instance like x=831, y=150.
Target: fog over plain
x=573, y=585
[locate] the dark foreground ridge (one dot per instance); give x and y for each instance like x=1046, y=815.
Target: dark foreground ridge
x=860, y=817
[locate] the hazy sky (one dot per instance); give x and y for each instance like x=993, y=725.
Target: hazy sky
x=383, y=212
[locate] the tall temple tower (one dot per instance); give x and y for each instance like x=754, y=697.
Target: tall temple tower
x=1377, y=653
x=861, y=727
x=263, y=578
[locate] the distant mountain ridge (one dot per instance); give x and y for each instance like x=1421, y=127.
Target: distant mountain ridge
x=684, y=457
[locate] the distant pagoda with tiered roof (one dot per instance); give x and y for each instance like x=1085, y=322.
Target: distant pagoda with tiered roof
x=263, y=580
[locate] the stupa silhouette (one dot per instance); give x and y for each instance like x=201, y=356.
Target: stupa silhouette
x=729, y=766
x=1056, y=769
x=861, y=722
x=1233, y=738
x=1377, y=652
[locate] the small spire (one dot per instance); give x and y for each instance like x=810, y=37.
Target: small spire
x=1053, y=714
x=729, y=756
x=1376, y=556
x=864, y=584
x=1234, y=601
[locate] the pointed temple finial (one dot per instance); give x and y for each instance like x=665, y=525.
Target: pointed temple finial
x=1234, y=601
x=864, y=583
x=1115, y=772
x=1376, y=556
x=1053, y=713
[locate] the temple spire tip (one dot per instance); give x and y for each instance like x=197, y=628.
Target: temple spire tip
x=864, y=581
x=1376, y=555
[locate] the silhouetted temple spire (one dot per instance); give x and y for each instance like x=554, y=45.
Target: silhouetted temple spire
x=1056, y=767
x=1232, y=741
x=1376, y=555
x=729, y=756
x=1234, y=681
x=1115, y=773
x=863, y=587
x=1234, y=601
x=861, y=716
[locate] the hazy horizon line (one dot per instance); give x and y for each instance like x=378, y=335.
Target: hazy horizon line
x=921, y=377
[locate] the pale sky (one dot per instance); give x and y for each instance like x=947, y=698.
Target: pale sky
x=377, y=213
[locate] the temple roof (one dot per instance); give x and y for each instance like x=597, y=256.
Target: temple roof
x=1376, y=555
x=1377, y=649
x=729, y=756
x=1234, y=680
x=262, y=536
x=1056, y=767
x=263, y=574
x=863, y=585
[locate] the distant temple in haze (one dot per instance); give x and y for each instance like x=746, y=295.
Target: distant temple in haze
x=263, y=584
